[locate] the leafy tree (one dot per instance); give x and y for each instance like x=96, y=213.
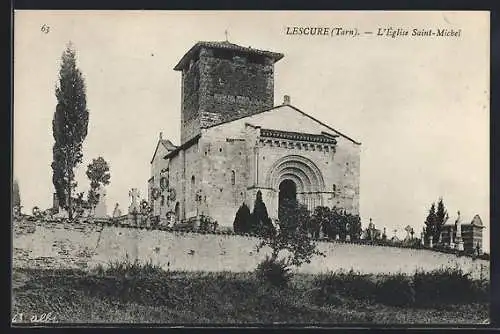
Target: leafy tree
x=79, y=204
x=261, y=223
x=98, y=174
x=355, y=228
x=330, y=227
x=339, y=222
x=292, y=236
x=69, y=127
x=242, y=222
x=320, y=220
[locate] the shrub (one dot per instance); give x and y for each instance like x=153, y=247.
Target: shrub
x=275, y=272
x=319, y=296
x=450, y=285
x=130, y=281
x=395, y=290
x=350, y=284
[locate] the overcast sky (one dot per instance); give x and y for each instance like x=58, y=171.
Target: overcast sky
x=420, y=106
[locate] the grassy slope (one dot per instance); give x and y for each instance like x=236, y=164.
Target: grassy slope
x=181, y=297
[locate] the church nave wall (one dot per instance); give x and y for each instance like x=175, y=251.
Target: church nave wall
x=225, y=177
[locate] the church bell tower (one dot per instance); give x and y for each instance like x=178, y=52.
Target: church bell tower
x=222, y=81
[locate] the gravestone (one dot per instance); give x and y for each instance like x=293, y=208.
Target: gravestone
x=100, y=208
x=134, y=204
x=452, y=244
x=117, y=212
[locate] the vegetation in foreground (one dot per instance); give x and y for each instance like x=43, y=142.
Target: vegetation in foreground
x=128, y=292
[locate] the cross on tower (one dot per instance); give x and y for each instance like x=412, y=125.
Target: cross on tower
x=225, y=33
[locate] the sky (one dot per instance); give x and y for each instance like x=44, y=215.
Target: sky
x=418, y=105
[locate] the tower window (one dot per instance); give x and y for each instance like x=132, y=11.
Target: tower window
x=162, y=202
x=233, y=177
x=220, y=149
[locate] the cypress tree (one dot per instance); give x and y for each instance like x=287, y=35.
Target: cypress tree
x=441, y=218
x=430, y=222
x=261, y=223
x=242, y=222
x=69, y=128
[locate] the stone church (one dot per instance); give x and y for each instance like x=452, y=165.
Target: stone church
x=235, y=142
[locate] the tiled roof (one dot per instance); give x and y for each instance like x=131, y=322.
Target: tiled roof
x=168, y=144
x=323, y=138
x=294, y=108
x=184, y=146
x=227, y=46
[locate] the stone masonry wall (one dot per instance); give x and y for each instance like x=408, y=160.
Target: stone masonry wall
x=182, y=168
x=217, y=88
x=62, y=245
x=341, y=168
x=340, y=171
x=232, y=87
x=223, y=161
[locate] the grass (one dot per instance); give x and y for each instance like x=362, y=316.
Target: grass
x=126, y=292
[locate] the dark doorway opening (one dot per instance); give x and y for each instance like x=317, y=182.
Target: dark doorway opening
x=287, y=194
x=177, y=212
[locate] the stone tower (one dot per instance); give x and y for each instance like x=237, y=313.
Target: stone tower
x=222, y=81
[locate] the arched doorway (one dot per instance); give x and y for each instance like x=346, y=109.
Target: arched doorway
x=287, y=193
x=306, y=176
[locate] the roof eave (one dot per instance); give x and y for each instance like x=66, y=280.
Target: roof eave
x=276, y=56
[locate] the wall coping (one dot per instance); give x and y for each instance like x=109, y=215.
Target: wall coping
x=27, y=220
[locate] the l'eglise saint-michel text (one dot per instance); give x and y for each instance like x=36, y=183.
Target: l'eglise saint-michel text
x=402, y=32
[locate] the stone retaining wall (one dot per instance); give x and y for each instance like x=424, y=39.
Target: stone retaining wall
x=83, y=245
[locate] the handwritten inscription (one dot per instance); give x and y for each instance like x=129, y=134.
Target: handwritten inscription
x=34, y=318
x=45, y=29
x=379, y=32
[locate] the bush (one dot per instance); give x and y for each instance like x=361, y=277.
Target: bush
x=130, y=281
x=444, y=286
x=396, y=290
x=350, y=284
x=320, y=297
x=275, y=272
